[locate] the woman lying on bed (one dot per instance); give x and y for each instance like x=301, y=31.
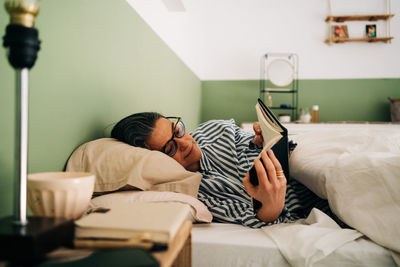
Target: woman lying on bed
x=223, y=153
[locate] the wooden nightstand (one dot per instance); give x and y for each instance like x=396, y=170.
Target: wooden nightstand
x=179, y=252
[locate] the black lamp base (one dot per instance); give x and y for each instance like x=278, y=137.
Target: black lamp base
x=30, y=243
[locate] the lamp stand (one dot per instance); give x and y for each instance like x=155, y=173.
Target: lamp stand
x=21, y=147
x=26, y=240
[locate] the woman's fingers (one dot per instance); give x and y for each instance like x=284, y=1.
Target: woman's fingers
x=278, y=167
x=257, y=128
x=270, y=168
x=258, y=138
x=261, y=172
x=274, y=160
x=269, y=172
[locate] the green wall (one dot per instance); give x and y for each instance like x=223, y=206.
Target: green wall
x=338, y=100
x=99, y=61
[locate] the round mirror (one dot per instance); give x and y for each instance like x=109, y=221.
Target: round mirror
x=280, y=72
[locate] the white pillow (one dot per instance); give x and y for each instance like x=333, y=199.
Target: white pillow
x=200, y=213
x=118, y=165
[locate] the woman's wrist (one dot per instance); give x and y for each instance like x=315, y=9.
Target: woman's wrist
x=266, y=214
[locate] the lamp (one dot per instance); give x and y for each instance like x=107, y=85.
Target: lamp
x=22, y=42
x=25, y=239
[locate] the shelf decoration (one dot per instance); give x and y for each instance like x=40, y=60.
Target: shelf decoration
x=339, y=31
x=370, y=30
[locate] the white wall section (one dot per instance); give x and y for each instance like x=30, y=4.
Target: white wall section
x=225, y=39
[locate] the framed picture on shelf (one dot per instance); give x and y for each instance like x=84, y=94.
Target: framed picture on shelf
x=370, y=30
x=340, y=31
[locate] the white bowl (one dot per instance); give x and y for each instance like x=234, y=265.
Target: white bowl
x=60, y=194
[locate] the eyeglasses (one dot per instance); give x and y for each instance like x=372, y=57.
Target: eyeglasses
x=178, y=131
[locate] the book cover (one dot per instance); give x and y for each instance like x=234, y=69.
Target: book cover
x=275, y=137
x=155, y=222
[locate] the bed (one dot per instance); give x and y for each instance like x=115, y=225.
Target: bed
x=355, y=166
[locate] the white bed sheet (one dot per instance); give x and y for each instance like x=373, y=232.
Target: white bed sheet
x=230, y=245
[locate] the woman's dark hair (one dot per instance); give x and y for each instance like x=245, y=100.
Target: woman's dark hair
x=136, y=128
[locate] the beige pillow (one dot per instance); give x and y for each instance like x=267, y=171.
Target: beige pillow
x=118, y=165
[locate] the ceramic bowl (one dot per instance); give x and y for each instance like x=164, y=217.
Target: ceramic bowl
x=60, y=194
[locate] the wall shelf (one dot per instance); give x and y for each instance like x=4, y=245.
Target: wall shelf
x=373, y=17
x=373, y=39
x=361, y=17
x=279, y=91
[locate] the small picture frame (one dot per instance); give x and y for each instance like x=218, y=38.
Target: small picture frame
x=340, y=31
x=370, y=30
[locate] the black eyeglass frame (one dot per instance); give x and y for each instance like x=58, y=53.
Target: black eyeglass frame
x=175, y=144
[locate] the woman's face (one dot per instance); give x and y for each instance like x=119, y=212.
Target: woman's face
x=188, y=153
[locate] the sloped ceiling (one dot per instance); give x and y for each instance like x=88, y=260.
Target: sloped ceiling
x=226, y=39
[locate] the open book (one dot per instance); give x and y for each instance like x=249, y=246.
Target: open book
x=275, y=137
x=130, y=224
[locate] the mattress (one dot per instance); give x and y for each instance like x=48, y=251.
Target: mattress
x=220, y=244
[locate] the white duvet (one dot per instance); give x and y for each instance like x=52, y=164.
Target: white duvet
x=357, y=168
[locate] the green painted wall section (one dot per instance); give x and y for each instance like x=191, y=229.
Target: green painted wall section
x=338, y=100
x=99, y=61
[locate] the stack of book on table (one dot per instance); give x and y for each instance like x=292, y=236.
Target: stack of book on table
x=138, y=224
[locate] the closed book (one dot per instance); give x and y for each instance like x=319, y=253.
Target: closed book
x=155, y=222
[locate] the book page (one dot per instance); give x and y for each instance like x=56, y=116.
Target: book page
x=271, y=134
x=271, y=122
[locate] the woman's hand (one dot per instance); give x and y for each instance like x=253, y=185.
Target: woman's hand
x=258, y=138
x=271, y=190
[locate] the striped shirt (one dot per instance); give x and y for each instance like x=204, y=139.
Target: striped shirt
x=227, y=153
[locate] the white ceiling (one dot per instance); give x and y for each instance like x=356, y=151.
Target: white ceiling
x=225, y=39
